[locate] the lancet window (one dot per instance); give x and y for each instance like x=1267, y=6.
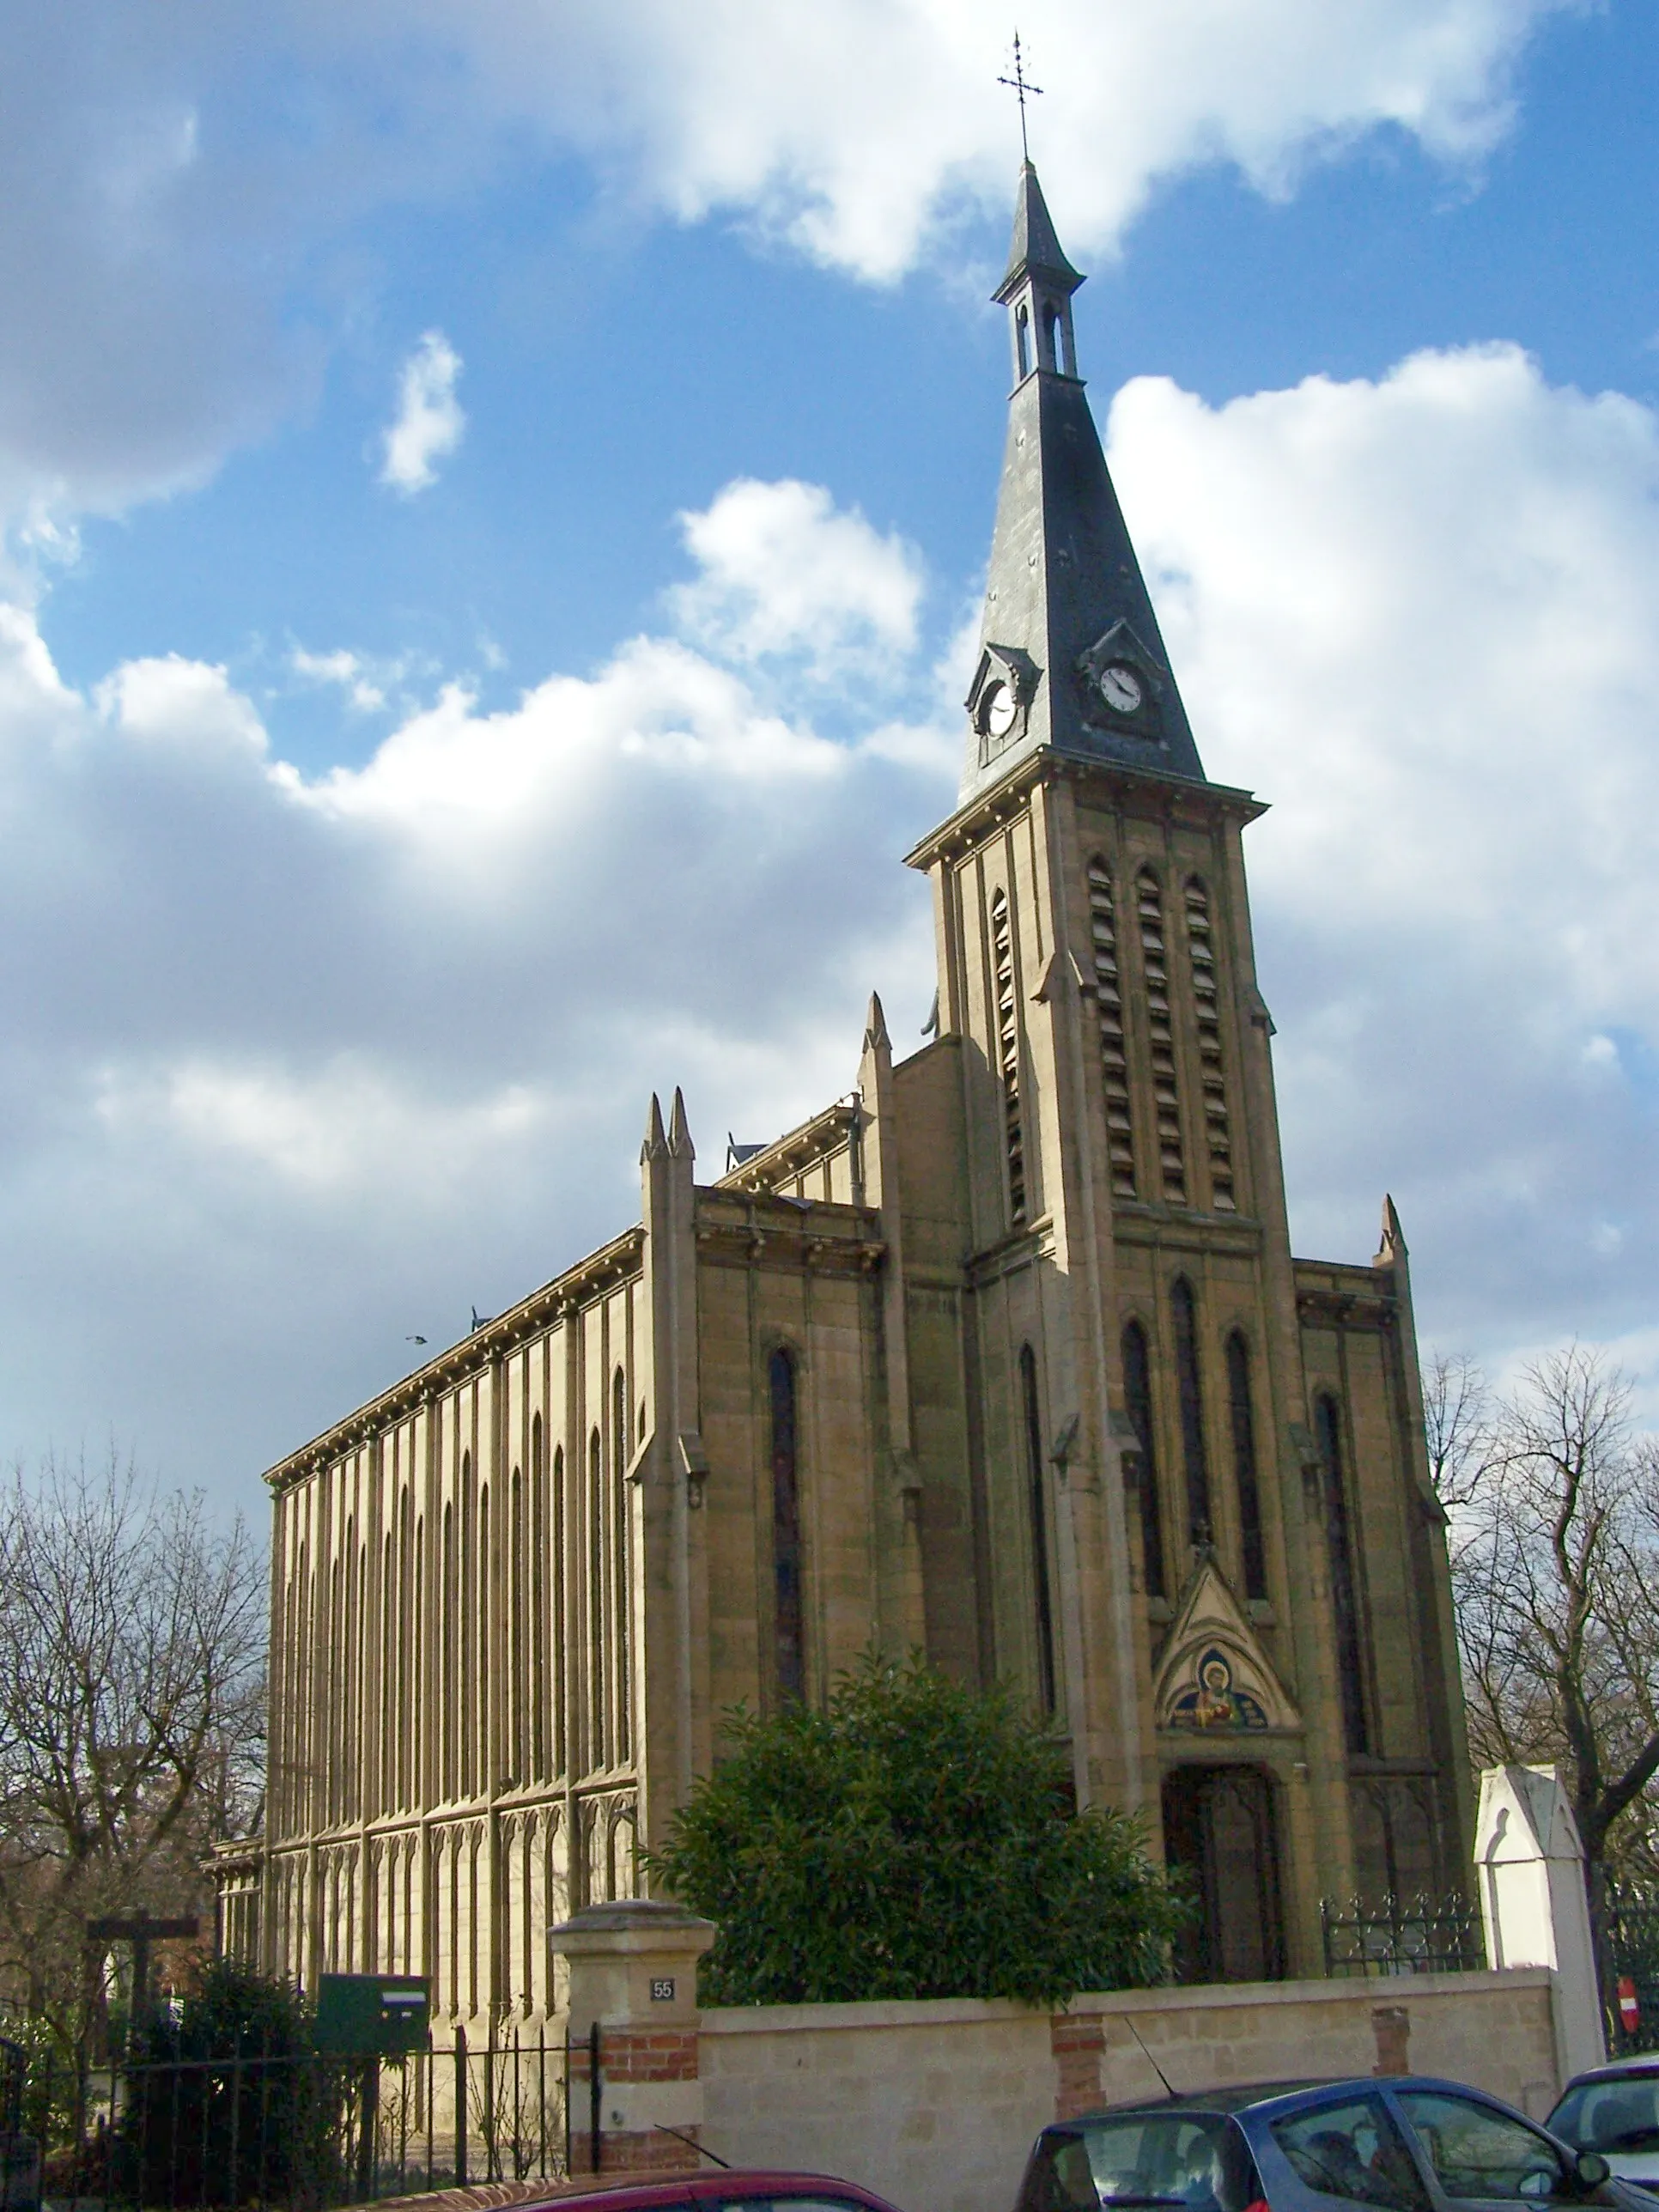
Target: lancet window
x=787, y=1628
x=620, y=1566
x=598, y=1748
x=561, y=1610
x=1190, y=1393
x=1032, y=1414
x=1244, y=1466
x=1008, y=1013
x=1114, y=1057
x=1138, y=1401
x=1166, y=1092
x=1345, y=1594
x=1211, y=1074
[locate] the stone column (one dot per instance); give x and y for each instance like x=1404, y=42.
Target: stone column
x=1529, y=1864
x=633, y=1975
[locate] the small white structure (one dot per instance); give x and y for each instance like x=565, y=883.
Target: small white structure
x=1529, y=1862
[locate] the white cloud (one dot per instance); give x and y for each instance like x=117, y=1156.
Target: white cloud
x=747, y=109
x=172, y=242
x=429, y=422
x=293, y=1067
x=346, y=669
x=782, y=574
x=1418, y=614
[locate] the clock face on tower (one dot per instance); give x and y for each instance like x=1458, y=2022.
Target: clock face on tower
x=1120, y=687
x=997, y=709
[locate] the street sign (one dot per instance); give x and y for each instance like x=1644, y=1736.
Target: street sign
x=371, y=2015
x=1630, y=2012
x=116, y=1929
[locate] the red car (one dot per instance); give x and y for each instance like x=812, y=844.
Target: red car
x=735, y=2189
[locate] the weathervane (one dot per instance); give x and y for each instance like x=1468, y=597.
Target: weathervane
x=1020, y=84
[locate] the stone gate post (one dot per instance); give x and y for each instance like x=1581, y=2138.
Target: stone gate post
x=1529, y=1864
x=633, y=1974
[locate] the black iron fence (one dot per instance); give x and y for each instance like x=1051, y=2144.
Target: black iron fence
x=1402, y=1936
x=256, y=2130
x=1629, y=1940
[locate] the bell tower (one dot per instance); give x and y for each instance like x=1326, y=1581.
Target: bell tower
x=1145, y=1434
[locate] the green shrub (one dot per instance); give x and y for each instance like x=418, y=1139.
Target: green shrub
x=914, y=1839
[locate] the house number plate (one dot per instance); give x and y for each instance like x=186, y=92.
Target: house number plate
x=662, y=1989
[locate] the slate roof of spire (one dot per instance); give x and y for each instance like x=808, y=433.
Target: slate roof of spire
x=1035, y=245
x=1064, y=578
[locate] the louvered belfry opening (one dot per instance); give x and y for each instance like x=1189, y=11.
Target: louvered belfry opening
x=1166, y=1094
x=1207, y=1006
x=1002, y=955
x=1114, y=1056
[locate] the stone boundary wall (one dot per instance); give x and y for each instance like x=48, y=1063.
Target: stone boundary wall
x=935, y=2106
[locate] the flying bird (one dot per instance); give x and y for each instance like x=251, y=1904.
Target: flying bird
x=414, y=1339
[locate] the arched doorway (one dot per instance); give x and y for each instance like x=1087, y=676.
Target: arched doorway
x=1219, y=1822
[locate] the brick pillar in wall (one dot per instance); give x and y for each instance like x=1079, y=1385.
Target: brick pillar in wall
x=632, y=1977
x=1078, y=2041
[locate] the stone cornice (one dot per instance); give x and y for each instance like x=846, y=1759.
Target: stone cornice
x=797, y=1150
x=1133, y=790
x=591, y=1278
x=800, y=1235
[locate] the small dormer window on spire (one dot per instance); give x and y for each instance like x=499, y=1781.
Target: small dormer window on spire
x=1023, y=342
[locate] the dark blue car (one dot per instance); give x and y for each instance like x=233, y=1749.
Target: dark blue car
x=1407, y=2143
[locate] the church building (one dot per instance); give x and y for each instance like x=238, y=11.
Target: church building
x=1005, y=1357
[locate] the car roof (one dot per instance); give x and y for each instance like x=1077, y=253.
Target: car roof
x=1617, y=2069
x=648, y=2189
x=1244, y=2096
x=1234, y=2098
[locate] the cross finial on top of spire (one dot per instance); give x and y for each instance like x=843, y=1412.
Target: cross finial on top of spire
x=1020, y=84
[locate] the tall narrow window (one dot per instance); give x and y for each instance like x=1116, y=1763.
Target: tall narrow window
x=539, y=1637
x=788, y=1640
x=623, y=1567
x=1023, y=341
x=1045, y=1611
x=1008, y=1055
x=1244, y=1468
x=1345, y=1597
x=465, y=1622
x=1192, y=1411
x=597, y=1750
x=1166, y=1095
x=1207, y=1009
x=1138, y=1402
x=518, y=1704
x=446, y=1687
x=562, y=1748
x=1109, y=1004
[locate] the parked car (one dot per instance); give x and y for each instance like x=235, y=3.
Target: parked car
x=732, y=2189
x=1615, y=2110
x=1407, y=2144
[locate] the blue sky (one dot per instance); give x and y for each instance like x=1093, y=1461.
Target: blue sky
x=325, y=793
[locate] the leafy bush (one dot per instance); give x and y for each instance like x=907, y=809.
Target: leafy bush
x=915, y=1840
x=230, y=2103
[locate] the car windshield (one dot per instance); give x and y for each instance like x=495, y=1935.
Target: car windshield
x=1197, y=2159
x=1619, y=2113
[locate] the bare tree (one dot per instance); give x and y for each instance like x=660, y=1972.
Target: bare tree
x=1553, y=1499
x=1457, y=1414
x=131, y=1713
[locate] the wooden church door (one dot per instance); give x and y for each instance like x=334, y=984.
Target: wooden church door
x=1219, y=1823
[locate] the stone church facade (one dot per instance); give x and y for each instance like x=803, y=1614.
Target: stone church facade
x=1005, y=1356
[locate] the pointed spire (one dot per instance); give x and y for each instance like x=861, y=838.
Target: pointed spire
x=680, y=1146
x=655, y=1146
x=1035, y=249
x=1393, y=1248
x=1069, y=652
x=876, y=1038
